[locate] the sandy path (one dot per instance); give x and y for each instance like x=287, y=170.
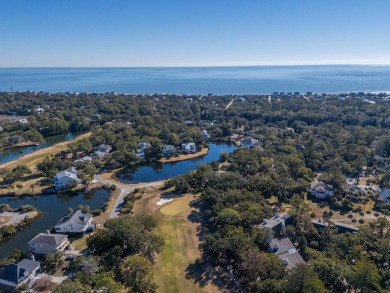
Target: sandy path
x=230, y=103
x=16, y=217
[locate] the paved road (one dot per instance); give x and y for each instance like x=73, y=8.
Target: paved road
x=125, y=189
x=228, y=105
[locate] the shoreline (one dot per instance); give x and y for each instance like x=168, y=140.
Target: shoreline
x=20, y=145
x=19, y=225
x=46, y=151
x=184, y=157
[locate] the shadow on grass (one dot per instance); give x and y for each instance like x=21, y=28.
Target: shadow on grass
x=204, y=270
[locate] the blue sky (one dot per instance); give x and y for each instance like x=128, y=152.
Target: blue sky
x=46, y=33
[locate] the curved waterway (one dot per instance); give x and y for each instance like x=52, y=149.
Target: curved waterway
x=15, y=153
x=158, y=171
x=53, y=208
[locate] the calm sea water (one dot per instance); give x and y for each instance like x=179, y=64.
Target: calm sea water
x=200, y=80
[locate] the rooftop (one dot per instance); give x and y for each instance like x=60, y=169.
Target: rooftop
x=16, y=273
x=78, y=217
x=49, y=239
x=286, y=251
x=274, y=221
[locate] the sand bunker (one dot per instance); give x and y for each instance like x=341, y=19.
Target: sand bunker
x=163, y=200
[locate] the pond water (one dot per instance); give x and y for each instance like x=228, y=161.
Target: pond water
x=53, y=208
x=158, y=171
x=15, y=153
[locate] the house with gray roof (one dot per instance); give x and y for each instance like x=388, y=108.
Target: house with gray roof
x=343, y=228
x=46, y=243
x=83, y=159
x=97, y=155
x=104, y=148
x=66, y=178
x=168, y=150
x=276, y=223
x=321, y=189
x=75, y=223
x=249, y=142
x=286, y=251
x=14, y=275
x=140, y=153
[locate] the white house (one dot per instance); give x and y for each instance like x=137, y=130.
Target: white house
x=76, y=222
x=144, y=144
x=66, y=178
x=205, y=134
x=39, y=110
x=188, y=147
x=249, y=142
x=321, y=189
x=23, y=121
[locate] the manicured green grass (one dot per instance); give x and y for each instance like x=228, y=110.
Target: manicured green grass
x=180, y=244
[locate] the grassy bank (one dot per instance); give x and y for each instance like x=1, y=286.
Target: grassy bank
x=180, y=242
x=31, y=160
x=183, y=157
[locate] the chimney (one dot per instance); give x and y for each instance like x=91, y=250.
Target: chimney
x=32, y=256
x=47, y=231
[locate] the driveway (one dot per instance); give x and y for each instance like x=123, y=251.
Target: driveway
x=57, y=280
x=125, y=189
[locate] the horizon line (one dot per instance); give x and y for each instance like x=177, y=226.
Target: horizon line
x=204, y=66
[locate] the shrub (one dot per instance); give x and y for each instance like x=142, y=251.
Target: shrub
x=96, y=212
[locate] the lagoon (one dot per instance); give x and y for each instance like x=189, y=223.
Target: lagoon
x=53, y=208
x=15, y=153
x=158, y=171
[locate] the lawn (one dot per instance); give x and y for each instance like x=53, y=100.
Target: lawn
x=368, y=217
x=31, y=160
x=181, y=242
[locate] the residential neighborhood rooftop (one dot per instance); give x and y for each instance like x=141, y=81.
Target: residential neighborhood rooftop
x=50, y=239
x=16, y=273
x=77, y=217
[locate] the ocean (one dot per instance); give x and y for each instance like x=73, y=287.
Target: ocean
x=200, y=80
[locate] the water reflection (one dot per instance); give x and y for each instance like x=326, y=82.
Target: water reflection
x=53, y=208
x=158, y=171
x=13, y=154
